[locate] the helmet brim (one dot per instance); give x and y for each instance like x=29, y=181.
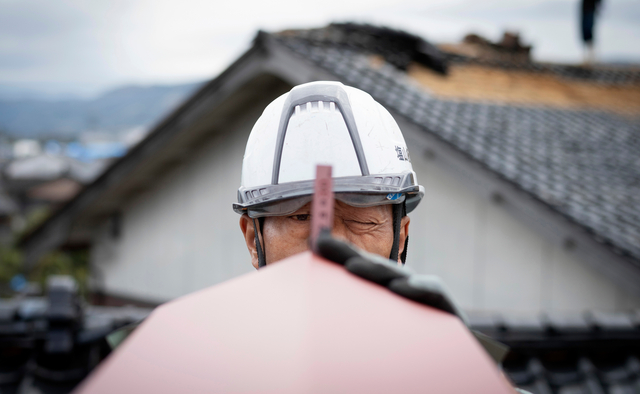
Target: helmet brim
x=372, y=190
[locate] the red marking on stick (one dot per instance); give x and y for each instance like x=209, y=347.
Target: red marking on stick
x=322, y=205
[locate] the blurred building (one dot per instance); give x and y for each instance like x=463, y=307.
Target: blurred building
x=531, y=173
x=33, y=182
x=50, y=342
x=47, y=179
x=8, y=208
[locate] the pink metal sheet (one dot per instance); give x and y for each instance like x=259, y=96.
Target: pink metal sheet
x=303, y=325
x=322, y=205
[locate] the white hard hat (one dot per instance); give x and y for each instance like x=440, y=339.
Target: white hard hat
x=325, y=123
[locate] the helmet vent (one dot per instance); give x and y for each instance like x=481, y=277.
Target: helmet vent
x=293, y=107
x=255, y=193
x=315, y=106
x=389, y=180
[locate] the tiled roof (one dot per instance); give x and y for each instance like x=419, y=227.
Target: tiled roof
x=585, y=165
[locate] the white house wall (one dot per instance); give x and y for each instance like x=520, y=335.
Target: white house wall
x=182, y=236
x=494, y=262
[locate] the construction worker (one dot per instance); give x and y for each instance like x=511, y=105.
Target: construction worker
x=374, y=183
x=373, y=180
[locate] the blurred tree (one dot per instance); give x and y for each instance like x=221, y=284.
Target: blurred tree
x=35, y=217
x=10, y=266
x=74, y=263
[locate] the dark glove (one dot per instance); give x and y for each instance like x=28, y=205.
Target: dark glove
x=425, y=289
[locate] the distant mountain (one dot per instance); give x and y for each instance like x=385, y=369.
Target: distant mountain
x=116, y=110
x=9, y=92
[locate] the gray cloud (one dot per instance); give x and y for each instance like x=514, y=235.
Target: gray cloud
x=623, y=11
x=83, y=46
x=504, y=10
x=31, y=19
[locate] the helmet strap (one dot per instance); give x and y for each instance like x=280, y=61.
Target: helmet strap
x=257, y=230
x=403, y=256
x=398, y=212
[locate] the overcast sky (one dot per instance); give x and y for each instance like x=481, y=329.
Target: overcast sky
x=87, y=46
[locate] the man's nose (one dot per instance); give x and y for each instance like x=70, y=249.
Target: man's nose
x=339, y=230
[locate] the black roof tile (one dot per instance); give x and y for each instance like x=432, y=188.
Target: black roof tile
x=528, y=324
x=612, y=321
x=567, y=323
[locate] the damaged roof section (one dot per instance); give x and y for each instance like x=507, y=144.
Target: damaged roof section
x=503, y=72
x=397, y=47
x=479, y=70
x=476, y=81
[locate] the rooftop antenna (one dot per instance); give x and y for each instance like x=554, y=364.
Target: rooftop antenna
x=588, y=17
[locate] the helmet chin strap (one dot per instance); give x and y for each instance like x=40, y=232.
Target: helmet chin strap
x=257, y=229
x=403, y=256
x=398, y=212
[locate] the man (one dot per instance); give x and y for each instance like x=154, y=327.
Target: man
x=373, y=180
x=326, y=123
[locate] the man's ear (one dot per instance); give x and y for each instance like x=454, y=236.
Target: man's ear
x=404, y=233
x=246, y=226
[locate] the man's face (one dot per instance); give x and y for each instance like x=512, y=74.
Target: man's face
x=370, y=229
